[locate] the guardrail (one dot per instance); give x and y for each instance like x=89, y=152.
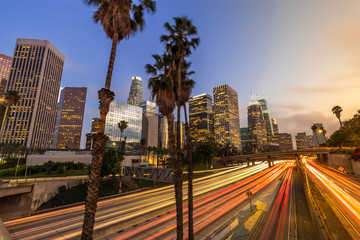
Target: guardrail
x=42, y=179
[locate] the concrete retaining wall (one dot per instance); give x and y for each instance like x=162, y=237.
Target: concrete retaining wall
x=356, y=166
x=340, y=160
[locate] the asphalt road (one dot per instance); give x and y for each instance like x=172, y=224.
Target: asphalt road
x=66, y=223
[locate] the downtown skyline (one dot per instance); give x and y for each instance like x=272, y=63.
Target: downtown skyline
x=294, y=58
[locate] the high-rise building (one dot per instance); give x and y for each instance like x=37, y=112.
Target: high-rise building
x=5, y=66
x=201, y=117
x=257, y=125
x=95, y=127
x=246, y=144
x=266, y=113
x=148, y=107
x=135, y=95
x=70, y=117
x=302, y=141
x=119, y=111
x=36, y=74
x=275, y=138
x=311, y=141
x=150, y=129
x=318, y=135
x=285, y=141
x=226, y=116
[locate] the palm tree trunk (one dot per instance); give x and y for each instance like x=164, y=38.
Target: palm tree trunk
x=100, y=139
x=340, y=123
x=190, y=177
x=178, y=181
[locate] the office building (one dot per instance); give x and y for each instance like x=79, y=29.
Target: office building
x=226, y=116
x=302, y=141
x=148, y=107
x=311, y=141
x=70, y=117
x=135, y=95
x=266, y=114
x=285, y=141
x=318, y=134
x=275, y=137
x=182, y=133
x=257, y=126
x=201, y=117
x=246, y=144
x=36, y=74
x=150, y=129
x=95, y=127
x=5, y=66
x=119, y=111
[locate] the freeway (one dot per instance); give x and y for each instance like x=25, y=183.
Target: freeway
x=66, y=223
x=342, y=193
x=207, y=210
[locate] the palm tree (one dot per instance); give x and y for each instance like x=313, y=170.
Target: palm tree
x=180, y=42
x=337, y=111
x=314, y=128
x=122, y=125
x=117, y=22
x=142, y=146
x=11, y=98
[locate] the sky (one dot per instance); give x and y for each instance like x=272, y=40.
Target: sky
x=303, y=56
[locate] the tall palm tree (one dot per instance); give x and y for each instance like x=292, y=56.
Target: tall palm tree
x=337, y=111
x=120, y=19
x=180, y=42
x=314, y=129
x=122, y=125
x=11, y=98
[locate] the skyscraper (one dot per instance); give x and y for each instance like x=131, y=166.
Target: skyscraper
x=36, y=74
x=135, y=95
x=302, y=141
x=201, y=117
x=275, y=138
x=266, y=113
x=5, y=66
x=226, y=116
x=69, y=119
x=257, y=125
x=132, y=115
x=148, y=107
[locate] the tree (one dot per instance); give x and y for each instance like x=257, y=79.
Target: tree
x=118, y=24
x=11, y=98
x=314, y=129
x=122, y=125
x=337, y=111
x=179, y=43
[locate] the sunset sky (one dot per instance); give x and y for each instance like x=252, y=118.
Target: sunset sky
x=304, y=56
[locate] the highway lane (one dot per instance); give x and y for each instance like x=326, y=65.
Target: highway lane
x=67, y=223
x=207, y=209
x=343, y=193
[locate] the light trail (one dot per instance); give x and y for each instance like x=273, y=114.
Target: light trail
x=348, y=203
x=209, y=208
x=67, y=222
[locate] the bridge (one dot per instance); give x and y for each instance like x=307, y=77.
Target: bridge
x=321, y=153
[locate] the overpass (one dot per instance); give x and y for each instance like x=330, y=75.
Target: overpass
x=321, y=153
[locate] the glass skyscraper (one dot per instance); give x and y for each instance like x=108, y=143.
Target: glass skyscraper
x=201, y=117
x=257, y=125
x=266, y=113
x=135, y=95
x=36, y=74
x=132, y=115
x=226, y=116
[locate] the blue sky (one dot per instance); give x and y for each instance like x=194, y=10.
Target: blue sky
x=304, y=56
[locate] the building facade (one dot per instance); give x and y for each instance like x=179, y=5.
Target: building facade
x=246, y=144
x=201, y=117
x=150, y=129
x=226, y=116
x=5, y=66
x=266, y=114
x=36, y=74
x=302, y=141
x=69, y=120
x=318, y=135
x=148, y=107
x=285, y=141
x=257, y=126
x=275, y=138
x=163, y=132
x=135, y=95
x=119, y=111
x=95, y=127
